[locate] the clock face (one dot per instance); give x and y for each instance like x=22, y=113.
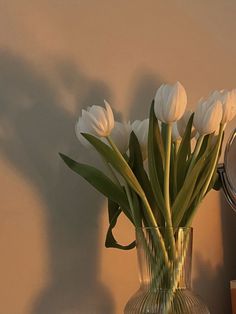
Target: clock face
x=230, y=163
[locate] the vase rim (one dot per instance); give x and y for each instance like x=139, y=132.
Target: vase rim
x=163, y=227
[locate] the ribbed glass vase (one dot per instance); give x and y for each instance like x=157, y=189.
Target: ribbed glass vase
x=165, y=287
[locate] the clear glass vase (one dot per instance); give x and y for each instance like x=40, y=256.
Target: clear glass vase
x=165, y=277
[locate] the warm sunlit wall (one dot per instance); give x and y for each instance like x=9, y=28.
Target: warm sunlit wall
x=55, y=58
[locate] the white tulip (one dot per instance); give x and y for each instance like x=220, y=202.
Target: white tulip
x=170, y=102
x=229, y=105
x=175, y=133
x=120, y=136
x=208, y=116
x=140, y=129
x=183, y=122
x=228, y=99
x=97, y=121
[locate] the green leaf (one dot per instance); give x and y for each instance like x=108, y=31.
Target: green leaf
x=114, y=157
x=194, y=188
x=183, y=199
x=155, y=159
x=117, y=161
x=205, y=145
x=138, y=207
x=136, y=163
x=114, y=211
x=183, y=154
x=100, y=182
x=217, y=182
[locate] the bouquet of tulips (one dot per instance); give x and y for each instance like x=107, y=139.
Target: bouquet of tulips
x=162, y=167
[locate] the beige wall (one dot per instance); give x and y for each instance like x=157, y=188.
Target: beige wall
x=55, y=58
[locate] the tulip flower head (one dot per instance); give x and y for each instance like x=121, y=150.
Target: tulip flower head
x=96, y=120
x=208, y=116
x=170, y=102
x=228, y=99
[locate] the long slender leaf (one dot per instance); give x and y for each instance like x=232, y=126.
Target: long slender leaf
x=114, y=157
x=118, y=163
x=136, y=163
x=210, y=153
x=205, y=144
x=100, y=182
x=155, y=159
x=183, y=154
x=182, y=201
x=195, y=183
x=216, y=182
x=114, y=211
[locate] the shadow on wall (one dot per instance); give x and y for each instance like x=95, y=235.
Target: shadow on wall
x=143, y=91
x=212, y=283
x=34, y=129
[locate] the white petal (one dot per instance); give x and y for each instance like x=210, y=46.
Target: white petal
x=96, y=126
x=208, y=116
x=81, y=127
x=110, y=116
x=229, y=106
x=99, y=113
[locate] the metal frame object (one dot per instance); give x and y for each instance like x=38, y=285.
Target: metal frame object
x=226, y=178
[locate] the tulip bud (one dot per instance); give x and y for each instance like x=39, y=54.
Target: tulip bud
x=97, y=121
x=228, y=100
x=140, y=128
x=183, y=122
x=170, y=102
x=120, y=136
x=208, y=116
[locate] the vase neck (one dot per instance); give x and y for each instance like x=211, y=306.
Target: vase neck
x=154, y=273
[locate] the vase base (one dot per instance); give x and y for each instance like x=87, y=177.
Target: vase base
x=183, y=301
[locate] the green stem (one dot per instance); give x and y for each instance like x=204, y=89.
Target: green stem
x=167, y=173
x=196, y=152
x=176, y=148
x=167, y=190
